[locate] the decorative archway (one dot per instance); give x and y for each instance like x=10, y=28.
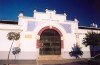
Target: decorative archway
x=48, y=27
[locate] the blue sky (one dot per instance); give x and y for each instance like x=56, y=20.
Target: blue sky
x=86, y=11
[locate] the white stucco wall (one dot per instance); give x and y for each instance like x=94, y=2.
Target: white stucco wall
x=4, y=42
x=48, y=18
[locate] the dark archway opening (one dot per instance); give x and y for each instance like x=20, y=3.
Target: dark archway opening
x=50, y=42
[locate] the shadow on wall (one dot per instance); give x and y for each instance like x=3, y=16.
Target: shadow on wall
x=76, y=51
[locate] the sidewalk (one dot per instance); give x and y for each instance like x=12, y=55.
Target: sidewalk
x=53, y=62
x=65, y=62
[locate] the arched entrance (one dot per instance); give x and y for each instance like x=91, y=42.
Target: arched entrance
x=50, y=42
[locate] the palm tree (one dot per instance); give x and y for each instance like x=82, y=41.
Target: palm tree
x=12, y=36
x=76, y=51
x=91, y=38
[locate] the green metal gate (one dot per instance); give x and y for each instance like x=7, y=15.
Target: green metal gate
x=50, y=43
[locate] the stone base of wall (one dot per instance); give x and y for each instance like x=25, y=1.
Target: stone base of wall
x=23, y=55
x=66, y=55
x=18, y=62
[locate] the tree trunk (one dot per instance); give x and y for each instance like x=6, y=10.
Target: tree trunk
x=15, y=57
x=10, y=51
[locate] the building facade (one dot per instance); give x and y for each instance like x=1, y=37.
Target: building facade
x=46, y=33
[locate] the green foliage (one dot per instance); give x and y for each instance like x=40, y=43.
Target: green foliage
x=16, y=50
x=91, y=38
x=13, y=36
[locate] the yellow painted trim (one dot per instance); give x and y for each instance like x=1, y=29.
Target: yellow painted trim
x=28, y=36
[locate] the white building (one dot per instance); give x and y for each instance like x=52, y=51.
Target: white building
x=46, y=33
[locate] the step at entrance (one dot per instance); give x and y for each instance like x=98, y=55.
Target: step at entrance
x=50, y=57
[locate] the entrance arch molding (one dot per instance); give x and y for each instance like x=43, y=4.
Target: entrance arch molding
x=54, y=28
